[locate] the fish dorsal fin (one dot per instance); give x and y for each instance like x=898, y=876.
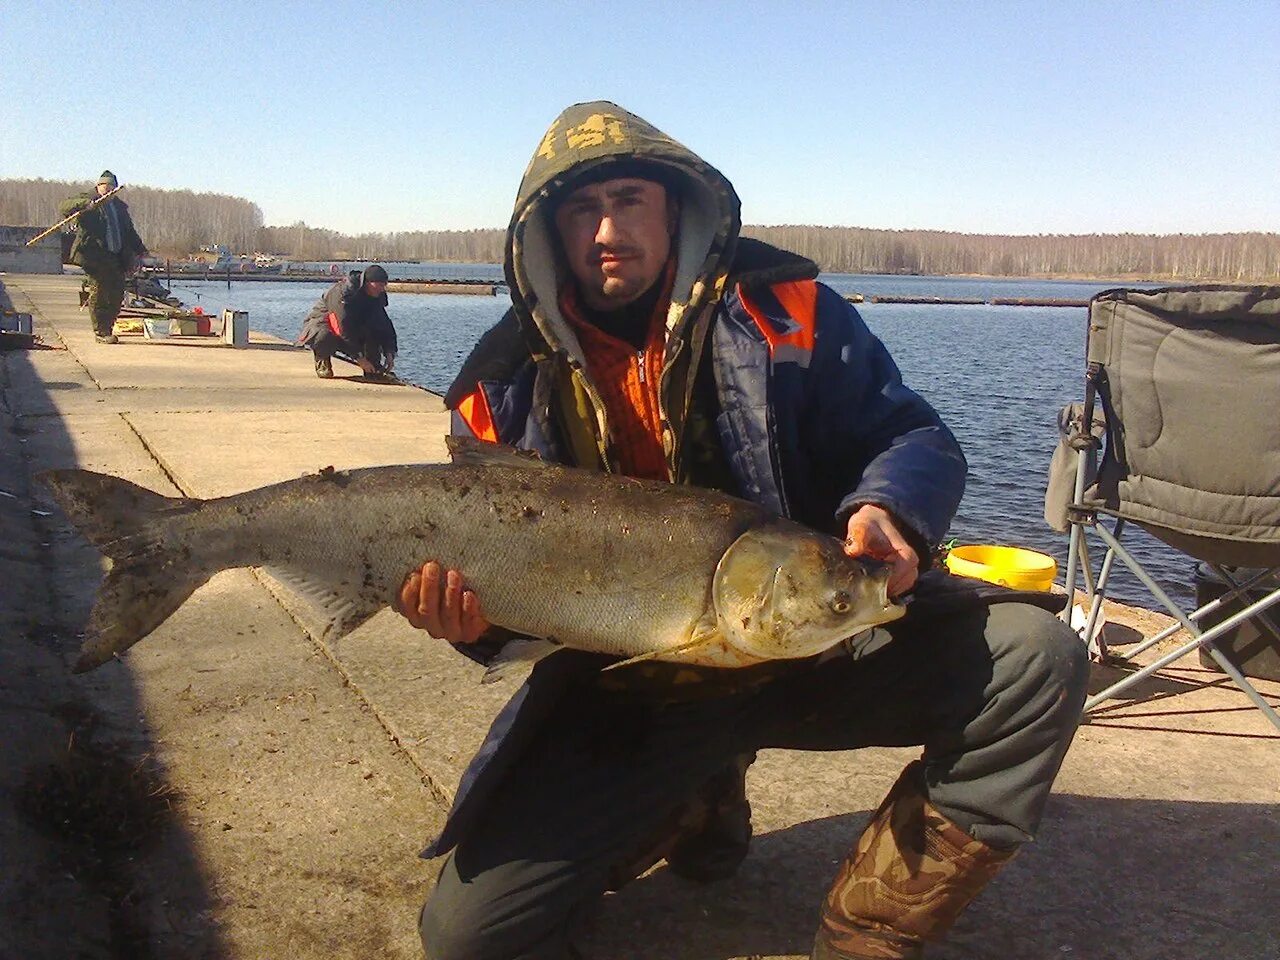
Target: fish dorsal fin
x=470, y=452
x=326, y=613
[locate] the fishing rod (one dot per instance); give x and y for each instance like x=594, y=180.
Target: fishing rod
x=381, y=373
x=96, y=201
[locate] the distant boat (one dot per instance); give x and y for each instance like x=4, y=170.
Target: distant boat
x=204, y=263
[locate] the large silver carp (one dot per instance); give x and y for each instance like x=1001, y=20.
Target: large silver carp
x=575, y=558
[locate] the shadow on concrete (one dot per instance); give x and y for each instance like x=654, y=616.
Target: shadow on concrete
x=286, y=347
x=1108, y=878
x=1158, y=685
x=201, y=343
x=374, y=381
x=1121, y=635
x=96, y=865
x=1153, y=704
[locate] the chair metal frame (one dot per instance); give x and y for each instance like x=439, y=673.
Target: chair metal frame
x=1084, y=516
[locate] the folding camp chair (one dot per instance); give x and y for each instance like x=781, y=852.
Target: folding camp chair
x=1187, y=380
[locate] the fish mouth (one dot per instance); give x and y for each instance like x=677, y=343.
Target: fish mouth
x=880, y=572
x=891, y=608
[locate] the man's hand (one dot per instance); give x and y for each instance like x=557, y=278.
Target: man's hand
x=389, y=362
x=873, y=533
x=365, y=364
x=435, y=600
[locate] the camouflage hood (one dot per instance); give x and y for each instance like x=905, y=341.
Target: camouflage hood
x=584, y=139
x=583, y=142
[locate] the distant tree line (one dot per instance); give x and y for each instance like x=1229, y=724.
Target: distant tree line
x=1244, y=257
x=301, y=242
x=178, y=222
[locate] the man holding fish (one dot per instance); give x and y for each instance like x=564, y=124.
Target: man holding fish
x=648, y=339
x=732, y=495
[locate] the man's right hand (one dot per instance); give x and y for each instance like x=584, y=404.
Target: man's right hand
x=367, y=366
x=436, y=600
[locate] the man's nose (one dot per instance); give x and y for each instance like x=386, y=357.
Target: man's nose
x=606, y=231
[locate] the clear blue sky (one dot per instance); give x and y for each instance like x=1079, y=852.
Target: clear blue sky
x=983, y=117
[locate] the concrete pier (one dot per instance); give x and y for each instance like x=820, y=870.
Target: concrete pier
x=45, y=256
x=971, y=301
x=236, y=786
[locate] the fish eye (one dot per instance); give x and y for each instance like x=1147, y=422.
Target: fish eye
x=840, y=603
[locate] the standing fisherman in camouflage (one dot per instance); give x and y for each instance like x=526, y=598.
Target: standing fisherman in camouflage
x=647, y=338
x=107, y=246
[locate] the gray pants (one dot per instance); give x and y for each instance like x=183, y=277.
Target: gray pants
x=993, y=695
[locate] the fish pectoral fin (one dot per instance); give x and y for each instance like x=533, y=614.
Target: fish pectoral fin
x=330, y=613
x=517, y=656
x=686, y=652
x=478, y=453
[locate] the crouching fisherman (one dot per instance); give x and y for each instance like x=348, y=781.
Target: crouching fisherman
x=351, y=320
x=647, y=338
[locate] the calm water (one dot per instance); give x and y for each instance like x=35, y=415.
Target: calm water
x=998, y=376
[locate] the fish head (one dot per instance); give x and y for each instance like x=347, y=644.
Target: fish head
x=783, y=592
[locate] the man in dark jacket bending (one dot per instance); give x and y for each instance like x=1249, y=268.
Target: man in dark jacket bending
x=647, y=338
x=351, y=319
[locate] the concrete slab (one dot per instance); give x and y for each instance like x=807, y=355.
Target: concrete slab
x=294, y=796
x=185, y=374
x=213, y=454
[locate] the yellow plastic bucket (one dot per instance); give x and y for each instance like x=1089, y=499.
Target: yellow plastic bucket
x=1009, y=566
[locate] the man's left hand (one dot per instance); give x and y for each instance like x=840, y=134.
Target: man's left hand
x=874, y=533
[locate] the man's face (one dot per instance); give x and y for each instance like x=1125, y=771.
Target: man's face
x=375, y=288
x=104, y=189
x=616, y=237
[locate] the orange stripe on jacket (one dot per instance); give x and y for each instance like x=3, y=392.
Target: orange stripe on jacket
x=627, y=380
x=477, y=415
x=800, y=299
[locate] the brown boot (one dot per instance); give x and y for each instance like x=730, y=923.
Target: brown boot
x=910, y=874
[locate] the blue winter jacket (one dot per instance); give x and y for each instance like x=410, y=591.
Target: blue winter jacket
x=813, y=419
x=810, y=432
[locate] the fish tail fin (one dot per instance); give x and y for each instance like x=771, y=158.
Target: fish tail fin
x=134, y=599
x=149, y=578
